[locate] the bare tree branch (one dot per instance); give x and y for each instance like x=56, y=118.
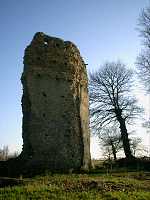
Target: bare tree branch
x=143, y=60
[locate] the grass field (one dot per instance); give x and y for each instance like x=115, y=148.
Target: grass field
x=115, y=186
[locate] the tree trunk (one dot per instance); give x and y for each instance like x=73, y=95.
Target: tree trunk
x=124, y=136
x=125, y=139
x=113, y=151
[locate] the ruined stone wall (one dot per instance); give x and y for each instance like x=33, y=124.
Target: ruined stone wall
x=55, y=105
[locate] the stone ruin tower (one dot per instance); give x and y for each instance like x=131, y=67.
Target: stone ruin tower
x=55, y=105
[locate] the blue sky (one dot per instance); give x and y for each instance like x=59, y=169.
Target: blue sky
x=102, y=30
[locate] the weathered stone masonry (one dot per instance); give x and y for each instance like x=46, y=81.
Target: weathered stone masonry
x=55, y=105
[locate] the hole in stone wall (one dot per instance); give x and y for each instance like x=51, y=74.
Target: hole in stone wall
x=44, y=94
x=57, y=45
x=39, y=75
x=44, y=115
x=54, y=61
x=46, y=43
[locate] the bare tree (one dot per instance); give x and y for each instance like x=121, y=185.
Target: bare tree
x=135, y=144
x=146, y=125
x=107, y=152
x=4, y=152
x=111, y=100
x=143, y=60
x=110, y=139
